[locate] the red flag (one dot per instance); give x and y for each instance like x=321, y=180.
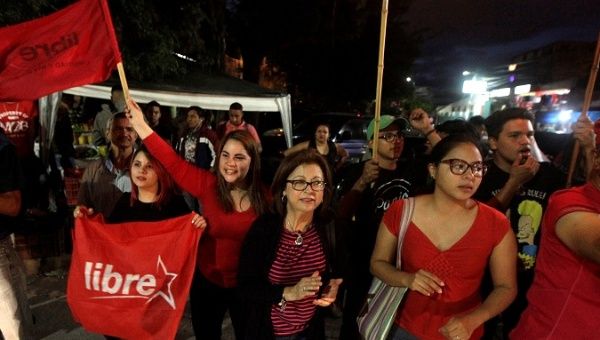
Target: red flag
x=72, y=47
x=131, y=280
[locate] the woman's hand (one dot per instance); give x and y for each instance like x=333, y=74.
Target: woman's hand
x=425, y=283
x=82, y=210
x=329, y=293
x=136, y=117
x=457, y=328
x=307, y=286
x=199, y=221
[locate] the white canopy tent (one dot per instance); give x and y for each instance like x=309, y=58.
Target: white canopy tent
x=208, y=92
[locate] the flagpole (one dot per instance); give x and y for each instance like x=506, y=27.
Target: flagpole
x=589, y=91
x=382, y=31
x=123, y=80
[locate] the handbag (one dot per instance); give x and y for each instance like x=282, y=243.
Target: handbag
x=379, y=310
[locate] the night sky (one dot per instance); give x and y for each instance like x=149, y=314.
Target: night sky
x=475, y=34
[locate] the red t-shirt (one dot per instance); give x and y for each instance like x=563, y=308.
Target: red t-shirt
x=564, y=300
x=219, y=249
x=17, y=119
x=461, y=267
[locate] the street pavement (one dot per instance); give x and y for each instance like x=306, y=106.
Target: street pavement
x=53, y=321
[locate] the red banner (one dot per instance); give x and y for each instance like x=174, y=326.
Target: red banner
x=72, y=47
x=131, y=280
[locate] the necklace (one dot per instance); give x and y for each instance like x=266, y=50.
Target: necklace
x=299, y=239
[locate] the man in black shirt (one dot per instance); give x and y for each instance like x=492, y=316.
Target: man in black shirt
x=15, y=317
x=373, y=186
x=520, y=186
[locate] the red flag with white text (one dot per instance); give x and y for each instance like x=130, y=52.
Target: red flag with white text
x=71, y=47
x=131, y=280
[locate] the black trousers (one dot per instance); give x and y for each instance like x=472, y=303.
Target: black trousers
x=208, y=303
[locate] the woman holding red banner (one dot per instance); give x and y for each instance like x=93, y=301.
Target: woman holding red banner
x=287, y=254
x=232, y=197
x=153, y=196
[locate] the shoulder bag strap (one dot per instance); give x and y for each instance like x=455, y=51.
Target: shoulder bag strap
x=407, y=212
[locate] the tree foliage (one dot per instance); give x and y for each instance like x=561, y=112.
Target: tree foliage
x=329, y=48
x=150, y=32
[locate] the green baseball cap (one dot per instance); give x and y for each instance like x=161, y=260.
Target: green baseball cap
x=384, y=122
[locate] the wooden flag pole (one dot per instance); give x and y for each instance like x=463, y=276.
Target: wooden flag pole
x=589, y=91
x=123, y=80
x=384, y=14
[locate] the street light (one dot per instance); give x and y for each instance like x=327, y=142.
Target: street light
x=408, y=79
x=466, y=73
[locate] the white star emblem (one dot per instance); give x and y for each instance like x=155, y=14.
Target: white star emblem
x=168, y=297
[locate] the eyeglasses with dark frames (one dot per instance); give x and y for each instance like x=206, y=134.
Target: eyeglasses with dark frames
x=459, y=167
x=391, y=137
x=301, y=185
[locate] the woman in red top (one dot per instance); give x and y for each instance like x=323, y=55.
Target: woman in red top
x=232, y=197
x=448, y=245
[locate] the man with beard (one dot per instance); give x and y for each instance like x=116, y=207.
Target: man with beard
x=107, y=178
x=375, y=185
x=520, y=186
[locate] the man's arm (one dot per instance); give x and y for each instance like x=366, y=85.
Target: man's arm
x=580, y=232
x=10, y=203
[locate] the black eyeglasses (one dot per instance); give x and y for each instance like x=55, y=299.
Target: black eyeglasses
x=390, y=137
x=459, y=167
x=301, y=185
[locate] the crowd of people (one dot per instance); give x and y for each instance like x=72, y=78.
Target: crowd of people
x=490, y=251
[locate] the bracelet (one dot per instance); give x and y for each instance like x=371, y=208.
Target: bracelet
x=430, y=132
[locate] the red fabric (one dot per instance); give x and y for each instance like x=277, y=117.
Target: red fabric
x=71, y=47
x=461, y=268
x=17, y=119
x=564, y=300
x=163, y=252
x=219, y=252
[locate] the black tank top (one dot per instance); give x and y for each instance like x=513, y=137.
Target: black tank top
x=331, y=156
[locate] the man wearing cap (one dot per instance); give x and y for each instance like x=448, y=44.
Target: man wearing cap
x=374, y=186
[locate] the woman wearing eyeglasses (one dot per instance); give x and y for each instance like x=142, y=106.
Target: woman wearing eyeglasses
x=232, y=198
x=286, y=257
x=447, y=247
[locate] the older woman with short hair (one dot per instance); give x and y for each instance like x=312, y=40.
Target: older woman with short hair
x=287, y=254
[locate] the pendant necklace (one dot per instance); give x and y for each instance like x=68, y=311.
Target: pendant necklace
x=299, y=239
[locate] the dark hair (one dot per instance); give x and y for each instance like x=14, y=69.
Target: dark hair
x=236, y=106
x=477, y=120
x=447, y=144
x=457, y=126
x=115, y=88
x=495, y=122
x=198, y=109
x=252, y=183
x=166, y=185
x=118, y=115
x=149, y=106
x=287, y=166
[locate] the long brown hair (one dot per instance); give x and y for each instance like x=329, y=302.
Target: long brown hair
x=252, y=183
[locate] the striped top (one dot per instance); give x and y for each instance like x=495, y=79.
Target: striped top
x=293, y=262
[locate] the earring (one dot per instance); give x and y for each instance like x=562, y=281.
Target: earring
x=283, y=197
